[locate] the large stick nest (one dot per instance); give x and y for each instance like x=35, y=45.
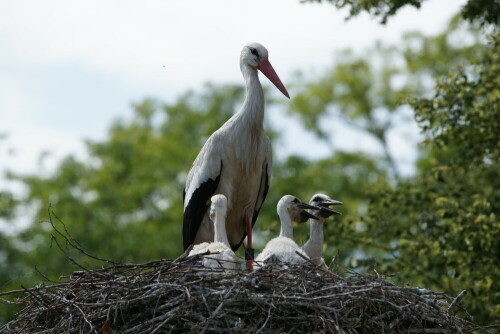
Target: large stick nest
x=174, y=296
x=181, y=296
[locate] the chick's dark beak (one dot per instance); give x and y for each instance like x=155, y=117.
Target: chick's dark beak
x=325, y=212
x=307, y=206
x=329, y=202
x=305, y=216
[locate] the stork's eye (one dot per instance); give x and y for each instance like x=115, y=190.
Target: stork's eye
x=296, y=200
x=254, y=52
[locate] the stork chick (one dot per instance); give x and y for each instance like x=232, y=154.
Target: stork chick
x=219, y=251
x=314, y=246
x=283, y=248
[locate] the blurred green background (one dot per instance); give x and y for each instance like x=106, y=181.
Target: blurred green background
x=438, y=228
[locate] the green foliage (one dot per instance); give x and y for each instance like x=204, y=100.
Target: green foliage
x=368, y=93
x=7, y=204
x=354, y=92
x=381, y=8
x=444, y=224
x=459, y=44
x=464, y=114
x=481, y=11
x=444, y=233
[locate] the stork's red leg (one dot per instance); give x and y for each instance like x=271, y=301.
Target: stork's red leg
x=249, y=255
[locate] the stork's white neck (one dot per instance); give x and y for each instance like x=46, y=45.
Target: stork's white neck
x=220, y=234
x=316, y=237
x=253, y=106
x=286, y=222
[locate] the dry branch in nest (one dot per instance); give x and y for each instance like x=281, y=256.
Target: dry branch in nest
x=177, y=296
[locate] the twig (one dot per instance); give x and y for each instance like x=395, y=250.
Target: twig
x=457, y=300
x=267, y=320
x=71, y=241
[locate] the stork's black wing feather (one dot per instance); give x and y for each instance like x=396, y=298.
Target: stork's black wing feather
x=258, y=206
x=196, y=208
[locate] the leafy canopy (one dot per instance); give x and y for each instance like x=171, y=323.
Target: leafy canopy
x=480, y=11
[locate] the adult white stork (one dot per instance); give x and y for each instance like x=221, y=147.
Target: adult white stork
x=314, y=246
x=235, y=161
x=219, y=251
x=283, y=248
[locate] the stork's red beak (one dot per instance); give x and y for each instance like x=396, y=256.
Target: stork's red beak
x=268, y=70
